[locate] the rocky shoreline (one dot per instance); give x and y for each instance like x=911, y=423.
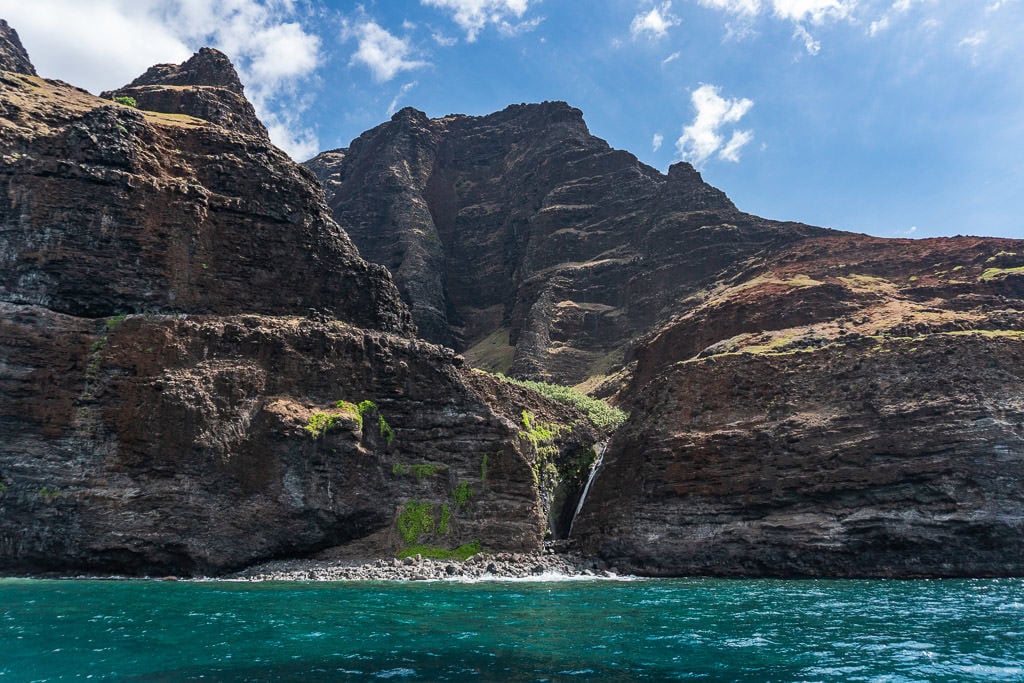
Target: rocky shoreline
x=483, y=566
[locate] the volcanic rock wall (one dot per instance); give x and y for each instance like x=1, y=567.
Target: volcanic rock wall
x=185, y=335
x=529, y=244
x=853, y=407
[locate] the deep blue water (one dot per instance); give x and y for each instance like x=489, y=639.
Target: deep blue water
x=639, y=630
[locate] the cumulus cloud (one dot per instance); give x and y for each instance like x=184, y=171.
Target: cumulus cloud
x=386, y=55
x=654, y=23
x=704, y=138
x=104, y=44
x=656, y=142
x=474, y=15
x=731, y=151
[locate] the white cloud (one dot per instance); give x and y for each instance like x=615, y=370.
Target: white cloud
x=798, y=12
x=974, y=40
x=703, y=138
x=879, y=25
x=510, y=29
x=656, y=142
x=812, y=46
x=671, y=58
x=402, y=92
x=815, y=11
x=884, y=22
x=384, y=54
x=103, y=44
x=443, y=40
x=731, y=151
x=656, y=22
x=288, y=133
x=749, y=7
x=474, y=15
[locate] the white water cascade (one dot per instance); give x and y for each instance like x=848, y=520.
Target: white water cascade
x=601, y=448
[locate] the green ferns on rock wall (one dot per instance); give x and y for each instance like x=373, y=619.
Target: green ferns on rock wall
x=321, y=422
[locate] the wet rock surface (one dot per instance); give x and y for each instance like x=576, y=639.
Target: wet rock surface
x=482, y=567
x=181, y=445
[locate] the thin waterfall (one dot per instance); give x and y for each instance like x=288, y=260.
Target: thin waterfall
x=601, y=447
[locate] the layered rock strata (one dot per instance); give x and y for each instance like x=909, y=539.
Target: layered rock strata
x=854, y=407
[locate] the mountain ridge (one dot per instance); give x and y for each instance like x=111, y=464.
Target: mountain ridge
x=201, y=371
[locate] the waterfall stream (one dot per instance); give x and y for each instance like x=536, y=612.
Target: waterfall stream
x=601, y=447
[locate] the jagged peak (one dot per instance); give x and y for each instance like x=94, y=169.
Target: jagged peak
x=682, y=171
x=410, y=114
x=209, y=67
x=543, y=113
x=13, y=56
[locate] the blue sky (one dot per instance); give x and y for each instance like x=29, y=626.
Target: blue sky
x=891, y=117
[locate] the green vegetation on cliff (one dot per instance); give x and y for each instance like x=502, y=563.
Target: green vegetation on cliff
x=603, y=416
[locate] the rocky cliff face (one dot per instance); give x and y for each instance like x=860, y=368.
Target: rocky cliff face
x=529, y=244
x=185, y=335
x=186, y=445
x=852, y=407
x=199, y=371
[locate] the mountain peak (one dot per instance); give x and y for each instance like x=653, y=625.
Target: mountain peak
x=209, y=67
x=13, y=56
x=212, y=92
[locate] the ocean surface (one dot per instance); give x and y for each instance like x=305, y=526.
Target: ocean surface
x=657, y=630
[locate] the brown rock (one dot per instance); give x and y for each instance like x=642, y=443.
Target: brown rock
x=851, y=407
x=109, y=210
x=166, y=444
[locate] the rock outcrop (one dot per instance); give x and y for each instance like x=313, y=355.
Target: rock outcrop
x=852, y=407
x=529, y=244
x=187, y=341
x=110, y=210
x=205, y=87
x=12, y=53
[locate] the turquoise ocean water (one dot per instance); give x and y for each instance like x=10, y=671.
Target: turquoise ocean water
x=655, y=630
